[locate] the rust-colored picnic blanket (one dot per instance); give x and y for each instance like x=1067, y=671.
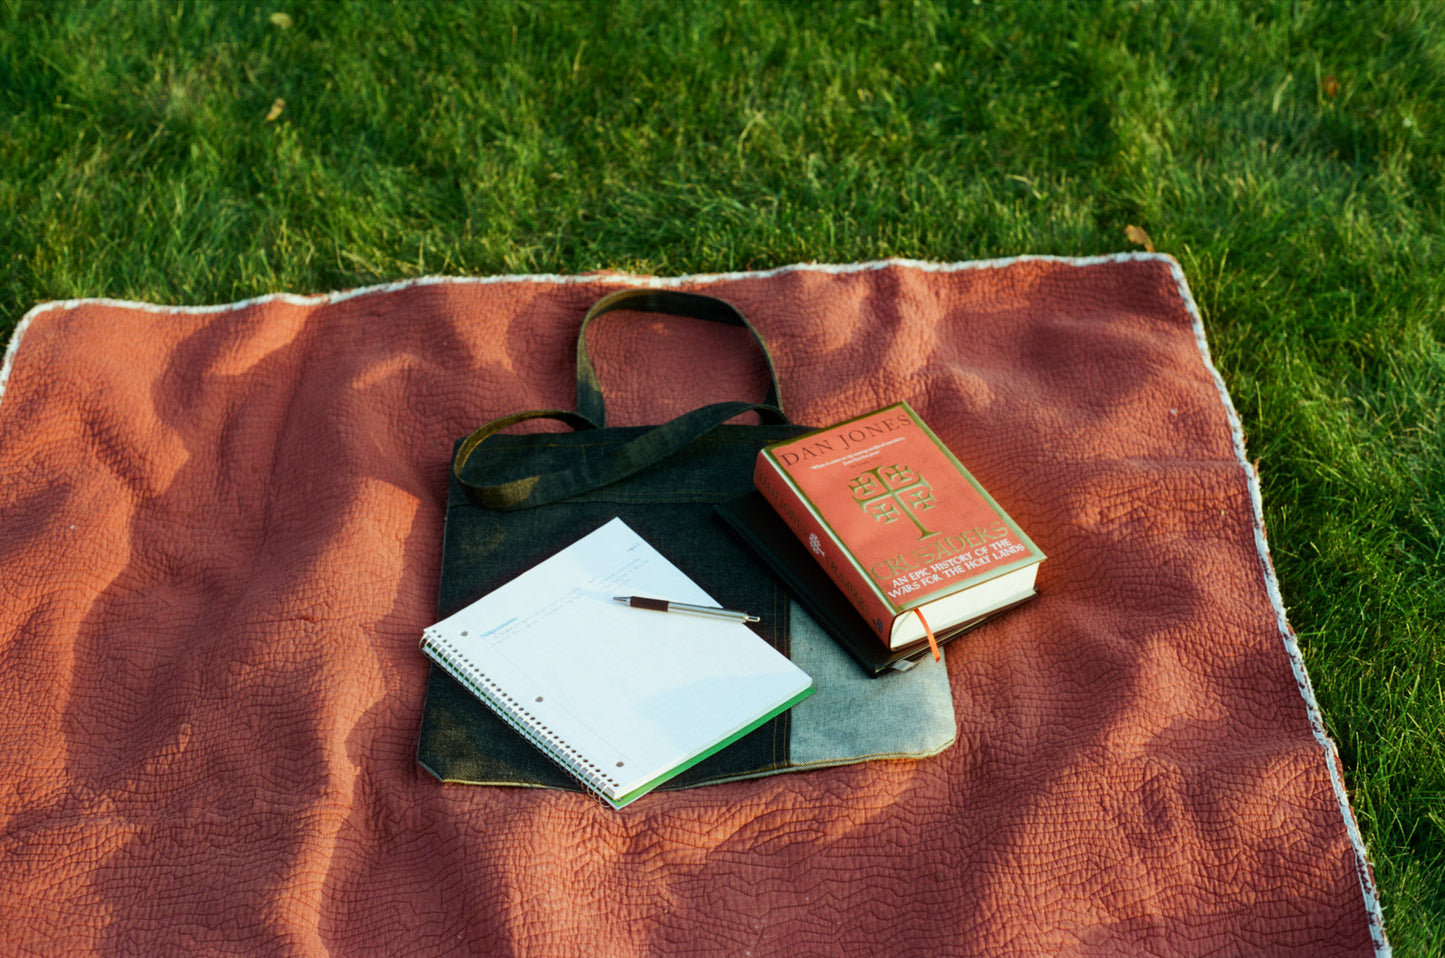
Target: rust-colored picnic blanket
x=220, y=535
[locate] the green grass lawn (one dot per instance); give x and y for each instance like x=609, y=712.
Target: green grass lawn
x=1291, y=155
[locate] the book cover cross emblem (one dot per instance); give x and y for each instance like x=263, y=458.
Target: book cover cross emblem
x=888, y=493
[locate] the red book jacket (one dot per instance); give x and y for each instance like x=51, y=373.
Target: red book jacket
x=897, y=522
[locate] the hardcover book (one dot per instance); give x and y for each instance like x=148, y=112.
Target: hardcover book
x=907, y=533
x=759, y=527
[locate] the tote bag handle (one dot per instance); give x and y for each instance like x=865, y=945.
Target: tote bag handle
x=654, y=445
x=672, y=303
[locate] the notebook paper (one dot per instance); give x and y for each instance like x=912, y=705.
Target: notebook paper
x=621, y=698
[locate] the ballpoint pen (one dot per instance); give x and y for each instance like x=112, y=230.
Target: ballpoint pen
x=662, y=605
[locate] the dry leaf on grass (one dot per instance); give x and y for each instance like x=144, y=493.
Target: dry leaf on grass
x=1139, y=237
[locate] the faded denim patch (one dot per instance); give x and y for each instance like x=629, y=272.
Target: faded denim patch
x=853, y=717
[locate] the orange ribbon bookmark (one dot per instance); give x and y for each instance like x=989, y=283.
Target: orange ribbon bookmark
x=932, y=642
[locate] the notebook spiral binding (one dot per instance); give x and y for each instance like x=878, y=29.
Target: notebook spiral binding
x=516, y=715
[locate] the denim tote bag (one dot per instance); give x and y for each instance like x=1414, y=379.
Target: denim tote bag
x=516, y=499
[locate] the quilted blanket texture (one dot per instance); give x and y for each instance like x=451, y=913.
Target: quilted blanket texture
x=220, y=535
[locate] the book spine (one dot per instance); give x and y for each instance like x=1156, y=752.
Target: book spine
x=824, y=547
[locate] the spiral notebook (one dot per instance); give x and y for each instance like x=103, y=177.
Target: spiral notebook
x=621, y=698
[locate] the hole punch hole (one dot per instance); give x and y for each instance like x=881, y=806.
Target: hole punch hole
x=539, y=698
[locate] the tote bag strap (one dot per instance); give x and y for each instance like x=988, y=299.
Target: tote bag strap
x=652, y=446
x=637, y=454
x=672, y=303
